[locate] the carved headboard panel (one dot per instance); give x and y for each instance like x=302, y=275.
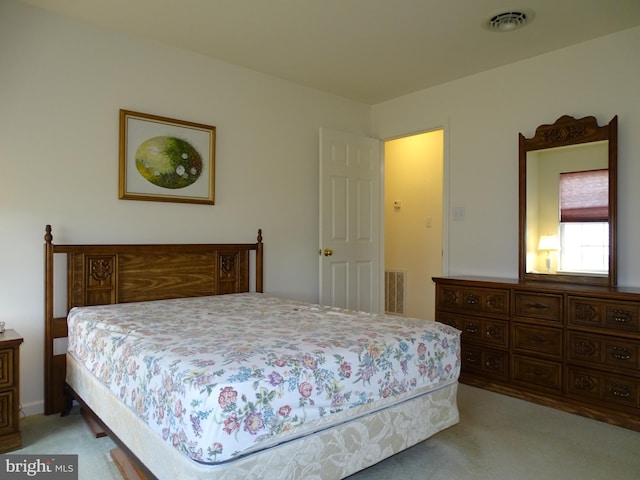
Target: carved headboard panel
x=106, y=274
x=118, y=276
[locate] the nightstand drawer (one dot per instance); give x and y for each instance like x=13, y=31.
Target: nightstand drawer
x=539, y=306
x=6, y=412
x=530, y=338
x=6, y=367
x=10, y=436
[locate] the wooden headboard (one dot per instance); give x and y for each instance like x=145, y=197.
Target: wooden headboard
x=107, y=274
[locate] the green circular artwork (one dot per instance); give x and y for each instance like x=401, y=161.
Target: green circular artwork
x=168, y=162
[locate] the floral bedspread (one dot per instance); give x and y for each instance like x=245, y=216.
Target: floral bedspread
x=216, y=376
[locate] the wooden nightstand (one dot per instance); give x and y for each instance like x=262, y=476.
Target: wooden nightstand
x=10, y=436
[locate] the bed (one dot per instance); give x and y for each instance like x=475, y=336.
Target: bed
x=197, y=373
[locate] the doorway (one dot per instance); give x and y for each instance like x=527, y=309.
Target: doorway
x=413, y=222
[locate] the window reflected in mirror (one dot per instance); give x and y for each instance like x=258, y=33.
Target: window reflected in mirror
x=584, y=222
x=584, y=248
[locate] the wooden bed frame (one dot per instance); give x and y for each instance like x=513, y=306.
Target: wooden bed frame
x=108, y=274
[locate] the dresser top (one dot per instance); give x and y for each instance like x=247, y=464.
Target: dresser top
x=560, y=287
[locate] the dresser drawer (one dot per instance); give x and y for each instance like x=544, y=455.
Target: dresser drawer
x=473, y=300
x=616, y=316
x=535, y=339
x=476, y=329
x=539, y=306
x=484, y=361
x=6, y=367
x=537, y=373
x=10, y=436
x=604, y=350
x=603, y=387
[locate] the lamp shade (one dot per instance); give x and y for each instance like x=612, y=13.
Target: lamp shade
x=549, y=242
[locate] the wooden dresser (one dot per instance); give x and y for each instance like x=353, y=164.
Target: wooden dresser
x=10, y=436
x=572, y=347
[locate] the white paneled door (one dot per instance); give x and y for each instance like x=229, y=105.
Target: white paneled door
x=350, y=216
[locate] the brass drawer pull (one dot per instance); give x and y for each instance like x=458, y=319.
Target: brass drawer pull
x=621, y=316
x=536, y=338
x=471, y=358
x=471, y=328
x=471, y=299
x=621, y=353
x=537, y=306
x=619, y=390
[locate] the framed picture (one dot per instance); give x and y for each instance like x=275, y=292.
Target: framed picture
x=166, y=160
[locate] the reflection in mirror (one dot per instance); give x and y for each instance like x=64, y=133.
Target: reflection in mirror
x=567, y=202
x=559, y=181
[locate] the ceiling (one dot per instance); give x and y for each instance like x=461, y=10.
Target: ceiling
x=369, y=51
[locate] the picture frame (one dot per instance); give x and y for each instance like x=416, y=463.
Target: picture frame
x=166, y=160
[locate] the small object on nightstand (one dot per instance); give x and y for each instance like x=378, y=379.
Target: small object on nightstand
x=10, y=436
x=2, y=324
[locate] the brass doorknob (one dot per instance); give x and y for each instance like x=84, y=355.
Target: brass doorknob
x=328, y=252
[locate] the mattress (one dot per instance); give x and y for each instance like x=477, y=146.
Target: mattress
x=217, y=378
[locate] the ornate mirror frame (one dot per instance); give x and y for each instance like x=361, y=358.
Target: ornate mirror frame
x=567, y=131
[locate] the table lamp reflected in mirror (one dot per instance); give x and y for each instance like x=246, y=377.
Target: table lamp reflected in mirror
x=549, y=243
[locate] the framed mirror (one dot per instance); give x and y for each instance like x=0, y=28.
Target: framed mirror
x=568, y=202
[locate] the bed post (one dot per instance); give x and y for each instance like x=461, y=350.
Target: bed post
x=56, y=396
x=48, y=321
x=259, y=260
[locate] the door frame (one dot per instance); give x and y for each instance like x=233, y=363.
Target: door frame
x=446, y=192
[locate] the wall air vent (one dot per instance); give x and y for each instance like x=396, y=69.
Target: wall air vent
x=394, y=286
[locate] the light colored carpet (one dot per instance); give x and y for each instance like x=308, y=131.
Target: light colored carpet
x=498, y=438
x=54, y=434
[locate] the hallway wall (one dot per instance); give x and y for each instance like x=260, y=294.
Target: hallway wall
x=413, y=232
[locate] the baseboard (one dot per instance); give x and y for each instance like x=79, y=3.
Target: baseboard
x=32, y=408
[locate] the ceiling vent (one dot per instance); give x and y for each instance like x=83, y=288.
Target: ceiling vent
x=508, y=21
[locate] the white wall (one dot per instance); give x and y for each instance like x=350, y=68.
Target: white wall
x=62, y=84
x=485, y=113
